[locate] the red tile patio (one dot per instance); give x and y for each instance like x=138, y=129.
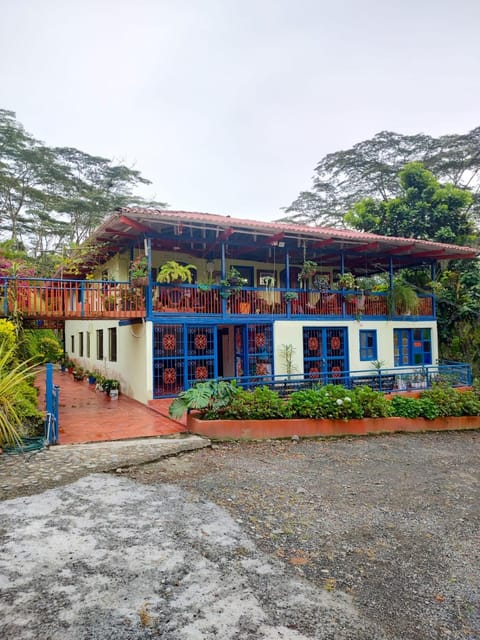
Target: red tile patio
x=87, y=415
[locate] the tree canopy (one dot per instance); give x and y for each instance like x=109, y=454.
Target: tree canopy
x=370, y=170
x=54, y=196
x=423, y=209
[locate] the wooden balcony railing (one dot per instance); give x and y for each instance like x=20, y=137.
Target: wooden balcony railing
x=75, y=299
x=49, y=298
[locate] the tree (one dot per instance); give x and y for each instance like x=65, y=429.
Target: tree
x=428, y=210
x=370, y=169
x=51, y=197
x=423, y=209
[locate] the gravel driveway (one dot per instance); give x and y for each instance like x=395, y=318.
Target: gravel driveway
x=358, y=538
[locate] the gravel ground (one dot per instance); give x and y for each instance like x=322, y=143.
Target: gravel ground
x=391, y=521
x=348, y=539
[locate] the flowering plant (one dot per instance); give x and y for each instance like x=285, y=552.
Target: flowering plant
x=138, y=267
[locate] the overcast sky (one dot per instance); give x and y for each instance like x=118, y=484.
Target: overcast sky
x=227, y=105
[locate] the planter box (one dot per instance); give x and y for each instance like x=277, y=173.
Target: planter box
x=304, y=427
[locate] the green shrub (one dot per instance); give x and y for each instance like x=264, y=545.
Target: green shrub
x=330, y=401
x=49, y=349
x=470, y=403
x=40, y=344
x=373, y=403
x=414, y=408
x=447, y=400
x=260, y=404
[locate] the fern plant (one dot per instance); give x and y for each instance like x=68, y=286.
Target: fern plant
x=173, y=271
x=208, y=397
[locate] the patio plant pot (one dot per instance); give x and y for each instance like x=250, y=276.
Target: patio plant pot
x=141, y=281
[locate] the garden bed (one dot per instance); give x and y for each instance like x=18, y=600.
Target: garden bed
x=307, y=427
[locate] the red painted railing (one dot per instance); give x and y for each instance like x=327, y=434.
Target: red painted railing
x=70, y=299
x=59, y=299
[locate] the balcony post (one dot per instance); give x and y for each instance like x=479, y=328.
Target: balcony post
x=224, y=275
x=434, y=297
x=287, y=281
x=390, y=279
x=148, y=289
x=82, y=298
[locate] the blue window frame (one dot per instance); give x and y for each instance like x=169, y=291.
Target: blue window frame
x=412, y=347
x=368, y=345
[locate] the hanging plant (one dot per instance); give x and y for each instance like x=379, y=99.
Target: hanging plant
x=233, y=283
x=347, y=281
x=309, y=268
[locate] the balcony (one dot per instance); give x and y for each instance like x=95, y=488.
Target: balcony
x=88, y=299
x=214, y=301
x=70, y=299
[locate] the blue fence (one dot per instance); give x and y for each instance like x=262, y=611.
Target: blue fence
x=396, y=380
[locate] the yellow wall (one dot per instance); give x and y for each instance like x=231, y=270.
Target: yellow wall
x=133, y=368
x=291, y=332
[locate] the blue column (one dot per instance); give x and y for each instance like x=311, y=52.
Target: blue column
x=149, y=289
x=390, y=276
x=49, y=388
x=224, y=275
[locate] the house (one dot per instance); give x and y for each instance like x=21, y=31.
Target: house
x=302, y=306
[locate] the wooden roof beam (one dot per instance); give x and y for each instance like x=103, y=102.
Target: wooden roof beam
x=399, y=250
x=135, y=225
x=371, y=246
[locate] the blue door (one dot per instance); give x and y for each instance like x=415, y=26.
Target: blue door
x=325, y=354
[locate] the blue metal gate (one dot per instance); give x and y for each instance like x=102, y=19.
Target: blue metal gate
x=52, y=393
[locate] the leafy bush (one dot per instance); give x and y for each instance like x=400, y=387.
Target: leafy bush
x=374, y=404
x=470, y=403
x=414, y=408
x=330, y=401
x=260, y=404
x=8, y=338
x=447, y=400
x=42, y=345
x=49, y=349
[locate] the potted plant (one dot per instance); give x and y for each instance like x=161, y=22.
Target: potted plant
x=110, y=303
x=173, y=272
x=347, y=281
x=288, y=296
x=100, y=382
x=309, y=268
x=92, y=378
x=78, y=374
x=139, y=271
x=403, y=298
x=233, y=283
x=111, y=387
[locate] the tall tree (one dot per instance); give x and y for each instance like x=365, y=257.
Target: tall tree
x=370, y=169
x=55, y=196
x=423, y=209
x=429, y=210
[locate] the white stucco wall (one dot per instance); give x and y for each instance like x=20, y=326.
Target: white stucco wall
x=291, y=332
x=133, y=367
